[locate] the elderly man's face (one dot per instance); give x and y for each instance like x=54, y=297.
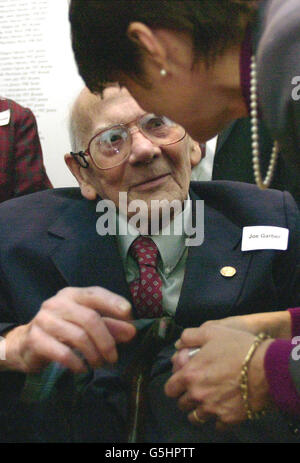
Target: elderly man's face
x=150, y=172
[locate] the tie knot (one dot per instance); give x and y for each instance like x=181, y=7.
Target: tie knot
x=144, y=251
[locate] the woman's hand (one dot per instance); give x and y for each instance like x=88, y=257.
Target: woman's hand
x=210, y=381
x=275, y=324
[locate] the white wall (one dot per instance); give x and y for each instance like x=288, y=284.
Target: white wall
x=37, y=70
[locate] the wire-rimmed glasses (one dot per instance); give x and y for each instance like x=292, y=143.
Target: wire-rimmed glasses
x=111, y=146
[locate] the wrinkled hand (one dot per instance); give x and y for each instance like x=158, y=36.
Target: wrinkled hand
x=91, y=320
x=209, y=381
x=275, y=324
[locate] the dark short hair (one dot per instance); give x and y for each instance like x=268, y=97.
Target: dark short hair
x=102, y=48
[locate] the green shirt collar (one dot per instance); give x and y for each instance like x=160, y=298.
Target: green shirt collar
x=171, y=246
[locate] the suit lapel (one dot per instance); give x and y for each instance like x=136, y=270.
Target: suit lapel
x=83, y=257
x=224, y=136
x=206, y=294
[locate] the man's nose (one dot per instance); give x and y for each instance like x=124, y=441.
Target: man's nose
x=142, y=149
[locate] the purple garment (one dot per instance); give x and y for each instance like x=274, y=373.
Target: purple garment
x=282, y=388
x=295, y=314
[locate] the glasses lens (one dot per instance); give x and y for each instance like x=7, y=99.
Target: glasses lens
x=160, y=129
x=110, y=147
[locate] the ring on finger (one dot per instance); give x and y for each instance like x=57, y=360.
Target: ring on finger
x=193, y=352
x=196, y=417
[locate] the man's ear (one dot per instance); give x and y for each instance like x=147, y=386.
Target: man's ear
x=195, y=153
x=147, y=40
x=87, y=189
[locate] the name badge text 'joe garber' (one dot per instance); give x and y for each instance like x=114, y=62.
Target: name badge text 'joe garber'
x=161, y=217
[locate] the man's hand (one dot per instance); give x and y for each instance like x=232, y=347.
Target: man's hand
x=90, y=320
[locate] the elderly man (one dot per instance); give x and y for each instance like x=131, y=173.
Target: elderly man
x=90, y=313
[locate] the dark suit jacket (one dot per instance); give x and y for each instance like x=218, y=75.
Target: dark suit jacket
x=276, y=42
x=278, y=58
x=22, y=169
x=233, y=158
x=49, y=241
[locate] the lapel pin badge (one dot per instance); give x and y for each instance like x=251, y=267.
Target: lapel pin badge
x=228, y=272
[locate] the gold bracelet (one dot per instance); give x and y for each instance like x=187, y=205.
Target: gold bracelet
x=244, y=378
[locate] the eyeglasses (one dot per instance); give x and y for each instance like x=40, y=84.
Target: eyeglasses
x=111, y=147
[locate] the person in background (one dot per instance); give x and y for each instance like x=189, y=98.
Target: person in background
x=22, y=169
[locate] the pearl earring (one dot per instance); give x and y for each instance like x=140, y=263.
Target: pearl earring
x=163, y=72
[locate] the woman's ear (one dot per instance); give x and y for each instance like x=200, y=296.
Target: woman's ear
x=87, y=189
x=149, y=41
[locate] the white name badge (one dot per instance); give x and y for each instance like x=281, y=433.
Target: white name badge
x=265, y=237
x=5, y=117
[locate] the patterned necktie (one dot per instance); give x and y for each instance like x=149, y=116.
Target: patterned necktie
x=147, y=289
